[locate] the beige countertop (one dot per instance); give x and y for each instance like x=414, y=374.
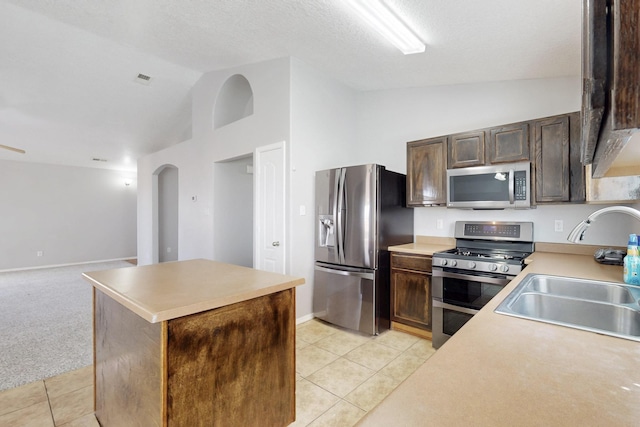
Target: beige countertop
x=506, y=371
x=169, y=290
x=425, y=245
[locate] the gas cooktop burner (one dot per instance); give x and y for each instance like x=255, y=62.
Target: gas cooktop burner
x=468, y=260
x=496, y=256
x=483, y=247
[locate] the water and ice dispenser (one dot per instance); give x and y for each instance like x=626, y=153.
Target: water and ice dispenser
x=326, y=230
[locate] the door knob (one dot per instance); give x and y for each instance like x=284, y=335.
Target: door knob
x=275, y=244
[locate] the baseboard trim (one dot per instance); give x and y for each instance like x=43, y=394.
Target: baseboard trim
x=39, y=267
x=411, y=330
x=305, y=318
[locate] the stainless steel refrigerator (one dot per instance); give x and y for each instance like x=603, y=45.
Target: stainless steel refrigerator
x=360, y=211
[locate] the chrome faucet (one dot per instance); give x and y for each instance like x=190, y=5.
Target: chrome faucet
x=577, y=233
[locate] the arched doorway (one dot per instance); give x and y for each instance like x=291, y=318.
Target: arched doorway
x=166, y=194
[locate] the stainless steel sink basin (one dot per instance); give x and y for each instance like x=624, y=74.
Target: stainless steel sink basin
x=602, y=307
x=579, y=288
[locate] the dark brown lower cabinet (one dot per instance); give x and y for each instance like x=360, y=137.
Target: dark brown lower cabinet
x=411, y=293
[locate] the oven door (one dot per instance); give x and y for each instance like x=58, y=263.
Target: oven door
x=457, y=296
x=447, y=320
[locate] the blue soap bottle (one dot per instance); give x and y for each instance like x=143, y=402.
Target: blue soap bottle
x=632, y=261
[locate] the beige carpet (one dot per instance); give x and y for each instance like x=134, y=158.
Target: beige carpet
x=46, y=322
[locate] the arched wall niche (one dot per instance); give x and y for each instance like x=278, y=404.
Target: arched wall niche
x=234, y=101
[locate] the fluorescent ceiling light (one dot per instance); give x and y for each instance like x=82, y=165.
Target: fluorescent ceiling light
x=386, y=23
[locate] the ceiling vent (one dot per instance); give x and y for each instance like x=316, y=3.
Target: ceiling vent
x=143, y=79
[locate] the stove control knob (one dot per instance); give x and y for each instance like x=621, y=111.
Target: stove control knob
x=504, y=268
x=493, y=267
x=443, y=262
x=454, y=263
x=472, y=264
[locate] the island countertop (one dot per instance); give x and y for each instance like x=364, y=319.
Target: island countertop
x=505, y=371
x=170, y=290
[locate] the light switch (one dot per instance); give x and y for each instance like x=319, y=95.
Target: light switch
x=303, y=210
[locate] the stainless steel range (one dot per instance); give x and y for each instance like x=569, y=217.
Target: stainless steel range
x=486, y=257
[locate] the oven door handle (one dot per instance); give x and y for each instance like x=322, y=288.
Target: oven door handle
x=437, y=272
x=451, y=307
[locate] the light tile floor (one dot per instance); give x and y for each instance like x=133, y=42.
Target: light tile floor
x=340, y=375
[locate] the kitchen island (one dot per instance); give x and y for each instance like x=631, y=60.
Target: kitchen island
x=505, y=371
x=193, y=342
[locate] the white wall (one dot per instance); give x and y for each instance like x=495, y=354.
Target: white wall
x=195, y=158
x=71, y=214
x=609, y=230
x=314, y=114
x=192, y=215
x=388, y=119
x=269, y=122
x=233, y=212
x=323, y=136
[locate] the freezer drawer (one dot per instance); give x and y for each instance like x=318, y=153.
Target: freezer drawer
x=346, y=297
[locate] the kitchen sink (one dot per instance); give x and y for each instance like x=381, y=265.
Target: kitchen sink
x=603, y=307
x=579, y=288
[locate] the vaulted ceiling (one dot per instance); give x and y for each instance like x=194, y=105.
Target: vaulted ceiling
x=68, y=67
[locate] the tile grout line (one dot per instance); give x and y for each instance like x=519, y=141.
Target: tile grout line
x=46, y=390
x=375, y=372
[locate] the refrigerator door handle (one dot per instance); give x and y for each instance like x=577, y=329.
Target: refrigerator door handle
x=340, y=216
x=361, y=274
x=334, y=203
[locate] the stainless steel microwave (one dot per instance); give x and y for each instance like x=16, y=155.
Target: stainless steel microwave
x=490, y=187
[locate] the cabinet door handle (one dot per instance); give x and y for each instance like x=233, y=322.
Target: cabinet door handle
x=275, y=244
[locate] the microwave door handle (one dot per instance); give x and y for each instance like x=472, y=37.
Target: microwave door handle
x=512, y=187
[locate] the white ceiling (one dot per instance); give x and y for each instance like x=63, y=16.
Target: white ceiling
x=68, y=67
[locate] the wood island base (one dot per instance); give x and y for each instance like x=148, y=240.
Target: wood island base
x=232, y=365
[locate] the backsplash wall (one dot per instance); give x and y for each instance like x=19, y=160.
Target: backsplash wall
x=609, y=230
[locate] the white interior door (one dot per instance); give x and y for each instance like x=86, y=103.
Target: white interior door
x=270, y=213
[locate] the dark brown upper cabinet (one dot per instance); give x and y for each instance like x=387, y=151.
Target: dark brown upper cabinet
x=508, y=144
x=551, y=144
x=551, y=138
x=427, y=172
x=558, y=174
x=610, y=80
x=466, y=149
x=501, y=144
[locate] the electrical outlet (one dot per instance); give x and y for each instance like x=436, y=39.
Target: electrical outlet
x=559, y=225
x=439, y=224
x=39, y=253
